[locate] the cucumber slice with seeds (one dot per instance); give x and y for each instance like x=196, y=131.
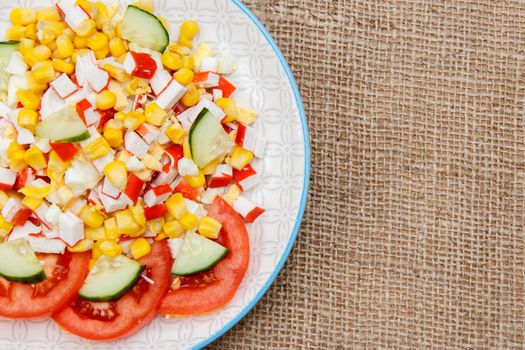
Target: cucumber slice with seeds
x=19, y=262
x=145, y=29
x=63, y=126
x=7, y=48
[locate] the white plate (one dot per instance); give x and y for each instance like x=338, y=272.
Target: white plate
x=265, y=84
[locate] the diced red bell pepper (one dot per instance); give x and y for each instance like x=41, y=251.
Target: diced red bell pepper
x=21, y=217
x=179, y=108
x=145, y=65
x=226, y=87
x=246, y=172
x=133, y=188
x=241, y=132
x=186, y=190
x=154, y=212
x=82, y=106
x=175, y=152
x=66, y=151
x=254, y=214
x=105, y=116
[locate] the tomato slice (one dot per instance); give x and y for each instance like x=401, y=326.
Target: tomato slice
x=119, y=319
x=207, y=291
x=65, y=275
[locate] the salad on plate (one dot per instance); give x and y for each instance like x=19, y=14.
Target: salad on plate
x=124, y=162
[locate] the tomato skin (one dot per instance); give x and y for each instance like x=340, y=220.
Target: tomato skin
x=132, y=315
x=227, y=274
x=20, y=302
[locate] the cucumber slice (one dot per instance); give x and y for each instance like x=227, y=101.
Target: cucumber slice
x=6, y=50
x=208, y=140
x=63, y=126
x=19, y=262
x=145, y=29
x=111, y=278
x=197, y=254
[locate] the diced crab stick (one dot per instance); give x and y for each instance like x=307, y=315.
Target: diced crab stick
x=187, y=167
x=160, y=80
x=7, y=179
x=93, y=198
x=14, y=212
x=99, y=79
x=140, y=65
x=170, y=95
x=87, y=71
x=195, y=208
x=148, y=132
x=247, y=209
x=74, y=16
x=43, y=145
x=157, y=195
x=206, y=79
x=24, y=177
x=45, y=245
x=226, y=87
x=92, y=116
x=175, y=152
x=209, y=195
x=155, y=212
x=50, y=103
x=101, y=162
x=40, y=214
x=187, y=117
x=134, y=144
x=66, y=151
x=81, y=107
x=222, y=177
x=64, y=5
x=111, y=205
x=166, y=176
x=133, y=189
x=64, y=86
x=109, y=189
x=179, y=185
x=248, y=138
x=70, y=228
x=209, y=64
x=217, y=93
x=23, y=231
x=246, y=178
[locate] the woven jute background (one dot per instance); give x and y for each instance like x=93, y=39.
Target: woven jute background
x=414, y=233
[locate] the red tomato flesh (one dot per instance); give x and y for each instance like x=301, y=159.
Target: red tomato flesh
x=119, y=319
x=210, y=290
x=65, y=275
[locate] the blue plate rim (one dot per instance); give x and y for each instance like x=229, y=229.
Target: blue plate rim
x=306, y=181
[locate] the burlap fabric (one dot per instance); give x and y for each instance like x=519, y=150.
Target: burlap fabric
x=414, y=233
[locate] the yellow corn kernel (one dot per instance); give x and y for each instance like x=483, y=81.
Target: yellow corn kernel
x=196, y=181
x=23, y=16
x=56, y=26
x=44, y=74
x=53, y=47
x=89, y=7
x=173, y=229
x=118, y=47
x=189, y=29
x=172, y=60
x=240, y=157
x=15, y=155
x=87, y=28
x=48, y=14
x=31, y=31
x=134, y=119
x=80, y=42
x=189, y=221
x=65, y=46
x=117, y=173
x=28, y=118
x=186, y=148
x=176, y=205
x=184, y=76
x=97, y=148
x=120, y=116
x=105, y=100
x=34, y=85
x=102, y=53
x=69, y=33
x=118, y=29
x=110, y=248
x=160, y=237
x=3, y=198
x=228, y=106
x=232, y=194
x=35, y=158
x=116, y=73
x=176, y=134
x=32, y=202
x=139, y=248
x=46, y=36
x=181, y=50
x=188, y=62
x=82, y=246
x=91, y=216
x=97, y=41
x=40, y=53
x=95, y=254
x=56, y=163
x=65, y=194
x=209, y=169
x=185, y=41
x=5, y=227
x=78, y=53
x=136, y=86
x=154, y=114
x=114, y=137
x=191, y=97
x=209, y=227
x=63, y=66
x=16, y=32
x=26, y=45
x=155, y=225
x=35, y=192
x=111, y=229
x=126, y=224
x=97, y=234
x=138, y=214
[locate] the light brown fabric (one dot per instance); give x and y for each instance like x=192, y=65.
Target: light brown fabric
x=414, y=233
